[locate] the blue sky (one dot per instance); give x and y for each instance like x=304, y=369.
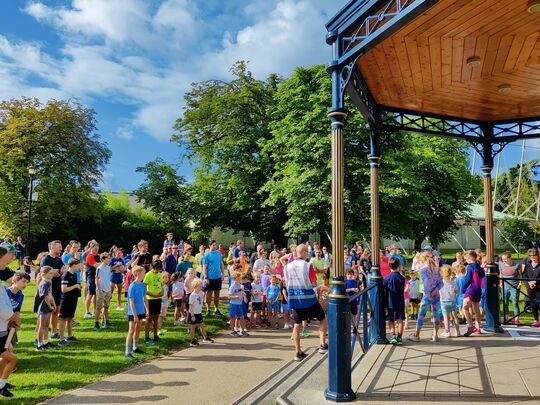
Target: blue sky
x=132, y=61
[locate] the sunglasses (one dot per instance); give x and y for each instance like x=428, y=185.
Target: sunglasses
x=533, y=255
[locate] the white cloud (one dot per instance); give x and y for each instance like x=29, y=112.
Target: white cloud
x=125, y=132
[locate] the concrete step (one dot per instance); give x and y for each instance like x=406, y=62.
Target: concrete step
x=282, y=380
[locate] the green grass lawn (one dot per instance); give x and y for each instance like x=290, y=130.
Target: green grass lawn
x=42, y=375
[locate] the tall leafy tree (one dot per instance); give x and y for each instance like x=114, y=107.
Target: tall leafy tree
x=59, y=139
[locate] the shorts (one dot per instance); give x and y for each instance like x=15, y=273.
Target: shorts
x=140, y=316
x=396, y=314
x=195, y=320
x=68, y=308
x=473, y=299
x=448, y=307
x=19, y=255
x=273, y=307
x=154, y=307
x=103, y=299
x=256, y=306
x=91, y=286
x=354, y=307
x=236, y=311
x=284, y=307
x=178, y=302
x=305, y=314
x=214, y=284
x=125, y=294
x=415, y=301
x=3, y=341
x=57, y=297
x=164, y=308
x=117, y=278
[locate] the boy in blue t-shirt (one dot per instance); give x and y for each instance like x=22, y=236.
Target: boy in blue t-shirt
x=395, y=287
x=352, y=287
x=273, y=303
x=15, y=293
x=236, y=310
x=137, y=310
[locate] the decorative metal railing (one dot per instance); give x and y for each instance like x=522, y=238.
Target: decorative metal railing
x=366, y=336
x=505, y=285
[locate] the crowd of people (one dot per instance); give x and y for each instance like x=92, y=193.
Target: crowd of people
x=283, y=288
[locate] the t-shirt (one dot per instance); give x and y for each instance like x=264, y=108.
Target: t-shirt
x=183, y=266
x=237, y=250
x=104, y=275
x=55, y=263
x=510, y=271
x=154, y=283
x=178, y=290
x=213, y=261
x=319, y=264
x=414, y=289
x=16, y=299
x=236, y=290
x=137, y=291
x=197, y=299
x=448, y=291
x=351, y=284
x=69, y=279
x=395, y=287
x=128, y=279
x=349, y=262
x=145, y=260
x=272, y=292
x=265, y=280
x=114, y=260
x=365, y=264
x=260, y=263
x=256, y=292
x=91, y=261
x=43, y=290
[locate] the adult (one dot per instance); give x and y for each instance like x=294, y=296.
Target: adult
x=91, y=261
x=54, y=260
x=240, y=247
x=171, y=260
x=142, y=257
x=460, y=260
x=198, y=258
x=213, y=269
x=300, y=279
x=275, y=254
x=364, y=265
x=316, y=247
x=327, y=256
x=20, y=247
x=256, y=255
x=261, y=262
x=532, y=270
x=510, y=269
x=394, y=252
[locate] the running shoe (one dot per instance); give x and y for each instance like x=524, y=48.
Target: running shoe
x=217, y=313
x=245, y=333
x=129, y=356
x=63, y=343
x=477, y=331
x=97, y=328
x=107, y=324
x=517, y=322
x=148, y=342
x=194, y=343
x=138, y=350
x=435, y=338
x=300, y=356
x=305, y=333
x=470, y=331
x=55, y=335
x=536, y=324
x=40, y=349
x=412, y=337
x=72, y=339
x=119, y=308
x=5, y=392
x=394, y=340
x=47, y=345
x=234, y=333
x=446, y=334
x=323, y=348
x=399, y=341
x=88, y=315
x=207, y=339
x=156, y=339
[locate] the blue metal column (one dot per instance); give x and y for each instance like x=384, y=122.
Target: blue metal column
x=376, y=277
x=493, y=323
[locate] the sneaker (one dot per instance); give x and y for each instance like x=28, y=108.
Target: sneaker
x=435, y=338
x=119, y=308
x=207, y=339
x=88, y=315
x=207, y=313
x=129, y=356
x=8, y=385
x=47, y=345
x=323, y=348
x=217, y=313
x=412, y=337
x=457, y=334
x=536, y=324
x=72, y=339
x=305, y=333
x=97, y=328
x=477, y=331
x=446, y=334
x=517, y=322
x=300, y=356
x=394, y=340
x=4, y=392
x=148, y=342
x=138, y=350
x=234, y=333
x=399, y=341
x=36, y=342
x=276, y=325
x=194, y=343
x=40, y=349
x=470, y=331
x=63, y=343
x=55, y=336
x=107, y=324
x=156, y=339
x=244, y=333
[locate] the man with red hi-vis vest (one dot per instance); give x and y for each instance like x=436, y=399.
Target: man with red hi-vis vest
x=300, y=279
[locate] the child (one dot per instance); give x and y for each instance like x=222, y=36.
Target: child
x=137, y=307
x=256, y=299
x=285, y=305
x=351, y=286
x=195, y=319
x=71, y=291
x=448, y=301
x=164, y=302
x=103, y=292
x=236, y=312
x=472, y=293
x=27, y=263
x=178, y=292
x=406, y=296
x=460, y=278
x=45, y=307
x=395, y=287
x=19, y=281
x=117, y=268
x=322, y=293
x=246, y=286
x=265, y=282
x=129, y=278
x=414, y=293
x=154, y=292
x=274, y=303
x=8, y=318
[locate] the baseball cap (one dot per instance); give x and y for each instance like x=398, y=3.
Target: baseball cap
x=345, y=246
x=8, y=246
x=428, y=247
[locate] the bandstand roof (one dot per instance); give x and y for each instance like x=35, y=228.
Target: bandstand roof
x=471, y=61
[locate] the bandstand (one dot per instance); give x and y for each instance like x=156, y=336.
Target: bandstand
x=464, y=69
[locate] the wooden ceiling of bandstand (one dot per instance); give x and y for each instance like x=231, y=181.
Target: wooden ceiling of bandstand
x=423, y=66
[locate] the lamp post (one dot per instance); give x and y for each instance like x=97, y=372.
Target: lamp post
x=31, y=173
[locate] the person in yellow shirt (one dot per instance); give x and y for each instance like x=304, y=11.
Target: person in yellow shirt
x=320, y=265
x=154, y=292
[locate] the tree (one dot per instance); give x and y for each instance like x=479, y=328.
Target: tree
x=517, y=231
x=58, y=138
x=221, y=131
x=166, y=194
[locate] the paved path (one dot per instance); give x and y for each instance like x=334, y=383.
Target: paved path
x=214, y=373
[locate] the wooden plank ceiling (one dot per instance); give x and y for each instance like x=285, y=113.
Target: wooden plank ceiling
x=423, y=66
